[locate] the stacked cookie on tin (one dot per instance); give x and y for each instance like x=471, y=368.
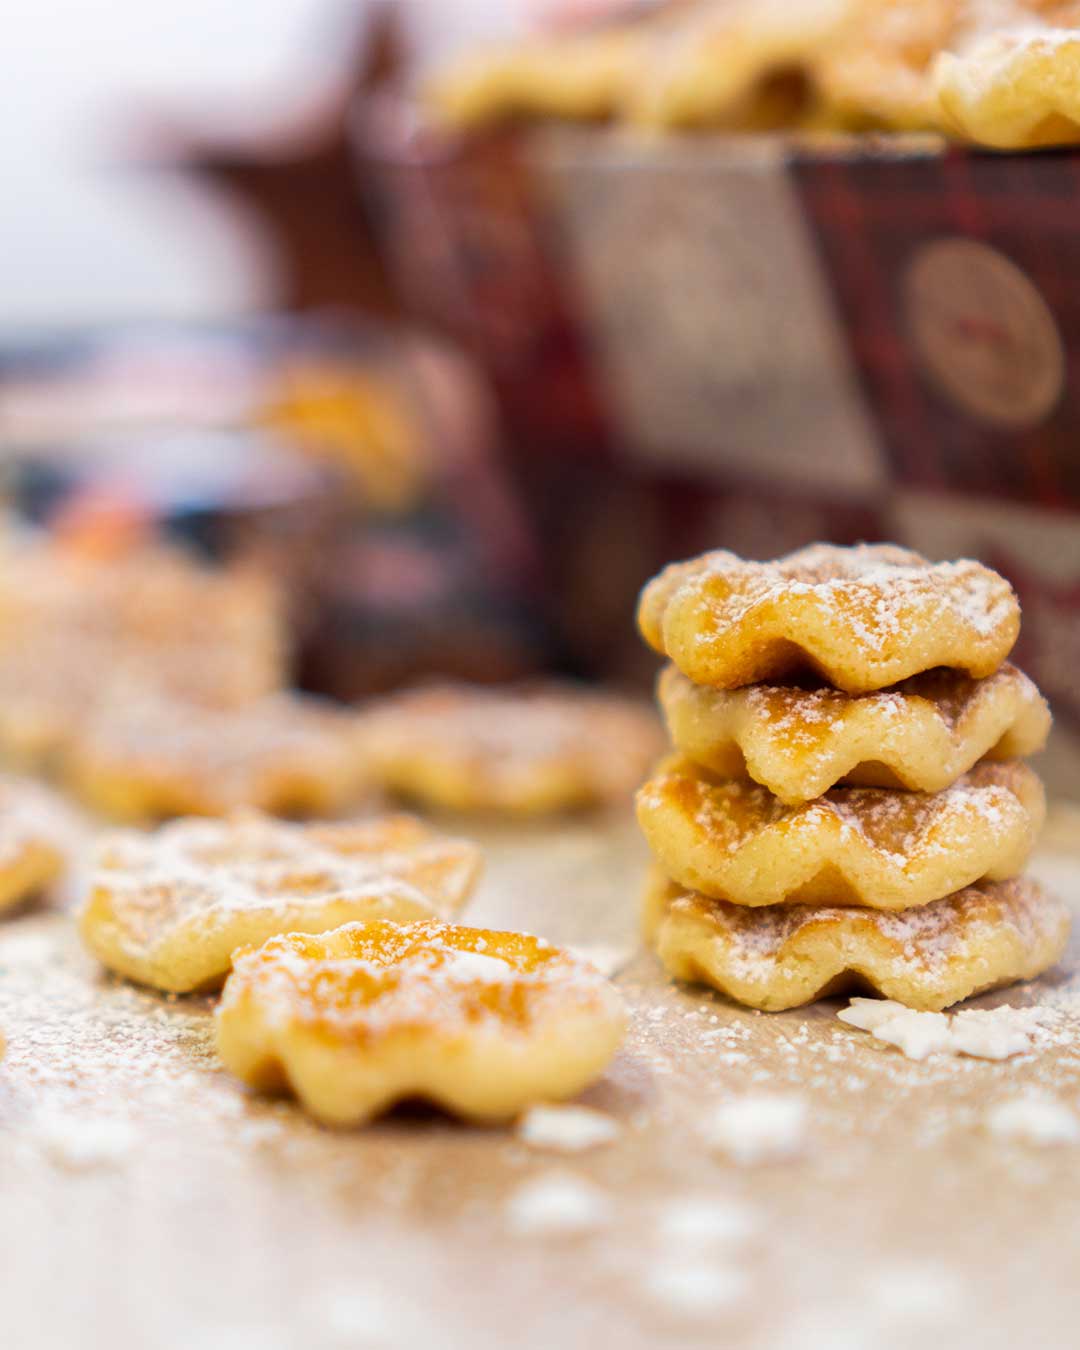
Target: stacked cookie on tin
x=846, y=802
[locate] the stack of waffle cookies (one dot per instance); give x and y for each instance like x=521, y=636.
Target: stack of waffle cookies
x=846, y=803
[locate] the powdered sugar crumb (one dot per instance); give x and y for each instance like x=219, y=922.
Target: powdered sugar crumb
x=79, y=1144
x=697, y=1289
x=995, y=1033
x=760, y=1127
x=697, y=1222
x=1034, y=1119
x=557, y=1205
x=357, y=1317
x=567, y=1129
x=915, y=1292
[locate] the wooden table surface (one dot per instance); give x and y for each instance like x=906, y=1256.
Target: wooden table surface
x=202, y=1218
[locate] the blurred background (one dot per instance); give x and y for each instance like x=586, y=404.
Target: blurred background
x=107, y=87
x=461, y=391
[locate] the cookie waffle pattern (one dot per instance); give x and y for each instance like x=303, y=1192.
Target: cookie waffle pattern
x=862, y=846
x=483, y=1023
x=922, y=734
x=862, y=618
x=529, y=751
x=169, y=908
x=929, y=958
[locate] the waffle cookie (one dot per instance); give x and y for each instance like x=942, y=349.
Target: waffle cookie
x=147, y=609
x=861, y=618
x=44, y=693
x=735, y=841
x=168, y=909
x=877, y=70
x=741, y=64
x=929, y=958
x=482, y=1023
x=35, y=840
x=530, y=751
x=582, y=77
x=1014, y=89
x=146, y=756
x=799, y=742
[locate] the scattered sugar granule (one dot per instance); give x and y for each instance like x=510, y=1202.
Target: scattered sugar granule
x=1034, y=1120
x=914, y=1292
x=697, y=1221
x=556, y=1205
x=995, y=1033
x=696, y=1289
x=760, y=1127
x=566, y=1129
x=84, y=1145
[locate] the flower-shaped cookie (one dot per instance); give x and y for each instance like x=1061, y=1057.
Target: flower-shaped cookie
x=526, y=751
x=482, y=1023
x=145, y=755
x=853, y=846
x=929, y=957
x=799, y=742
x=861, y=618
x=36, y=838
x=168, y=909
x=1013, y=89
x=742, y=65
x=578, y=76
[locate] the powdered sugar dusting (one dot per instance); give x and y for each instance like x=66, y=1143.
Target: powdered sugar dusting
x=725, y=620
x=873, y=837
x=925, y=938
x=883, y=577
x=544, y=746
x=366, y=980
x=282, y=752
x=190, y=868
